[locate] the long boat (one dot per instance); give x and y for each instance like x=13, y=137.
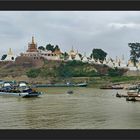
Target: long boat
x=134, y=99
x=61, y=85
x=111, y=87
x=21, y=94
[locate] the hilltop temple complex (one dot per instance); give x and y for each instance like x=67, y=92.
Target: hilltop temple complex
x=56, y=55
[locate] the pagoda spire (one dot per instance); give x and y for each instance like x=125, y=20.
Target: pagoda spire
x=10, y=52
x=32, y=39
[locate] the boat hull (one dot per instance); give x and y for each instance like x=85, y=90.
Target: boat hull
x=61, y=85
x=134, y=99
x=111, y=88
x=22, y=94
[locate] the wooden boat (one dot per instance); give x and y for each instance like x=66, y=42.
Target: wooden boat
x=132, y=93
x=61, y=85
x=112, y=87
x=121, y=95
x=21, y=94
x=134, y=99
x=70, y=92
x=127, y=95
x=22, y=90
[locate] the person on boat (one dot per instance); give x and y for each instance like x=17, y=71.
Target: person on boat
x=139, y=89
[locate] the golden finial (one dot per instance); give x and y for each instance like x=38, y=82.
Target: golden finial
x=10, y=52
x=32, y=40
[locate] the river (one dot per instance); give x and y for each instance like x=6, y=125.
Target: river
x=87, y=108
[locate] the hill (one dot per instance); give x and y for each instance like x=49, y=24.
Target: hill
x=43, y=71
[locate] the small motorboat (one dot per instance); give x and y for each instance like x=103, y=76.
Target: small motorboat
x=131, y=99
x=132, y=93
x=70, y=92
x=111, y=87
x=121, y=95
x=118, y=95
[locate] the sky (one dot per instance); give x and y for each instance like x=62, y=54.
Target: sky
x=110, y=31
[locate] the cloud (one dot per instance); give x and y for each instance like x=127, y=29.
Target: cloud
x=124, y=25
x=85, y=30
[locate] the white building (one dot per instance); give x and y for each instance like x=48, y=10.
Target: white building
x=70, y=59
x=49, y=55
x=77, y=57
x=92, y=61
x=84, y=59
x=9, y=56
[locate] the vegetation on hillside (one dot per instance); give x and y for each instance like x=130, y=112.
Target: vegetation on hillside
x=69, y=69
x=115, y=72
x=33, y=73
x=76, y=69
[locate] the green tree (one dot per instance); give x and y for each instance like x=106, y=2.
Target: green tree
x=98, y=54
x=114, y=72
x=65, y=54
x=41, y=48
x=4, y=56
x=64, y=71
x=134, y=52
x=80, y=55
x=56, y=48
x=50, y=47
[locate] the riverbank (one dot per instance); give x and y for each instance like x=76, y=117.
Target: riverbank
x=94, y=82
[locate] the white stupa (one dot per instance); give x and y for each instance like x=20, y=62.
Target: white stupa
x=138, y=65
x=123, y=64
x=131, y=66
x=10, y=56
x=104, y=62
x=92, y=60
x=85, y=60
x=70, y=59
x=98, y=61
x=77, y=57
x=110, y=63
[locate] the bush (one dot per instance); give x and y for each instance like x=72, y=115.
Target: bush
x=33, y=73
x=114, y=72
x=75, y=69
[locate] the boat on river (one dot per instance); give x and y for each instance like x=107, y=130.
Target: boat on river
x=70, y=92
x=21, y=94
x=22, y=90
x=130, y=94
x=61, y=85
x=112, y=87
x=133, y=99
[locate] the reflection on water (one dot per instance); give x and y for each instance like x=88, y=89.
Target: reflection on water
x=87, y=108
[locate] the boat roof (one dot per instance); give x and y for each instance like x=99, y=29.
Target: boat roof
x=22, y=84
x=7, y=84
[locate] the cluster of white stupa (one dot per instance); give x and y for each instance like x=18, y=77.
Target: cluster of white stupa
x=122, y=63
x=73, y=55
x=118, y=62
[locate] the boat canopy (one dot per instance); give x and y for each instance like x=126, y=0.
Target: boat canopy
x=22, y=85
x=6, y=84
